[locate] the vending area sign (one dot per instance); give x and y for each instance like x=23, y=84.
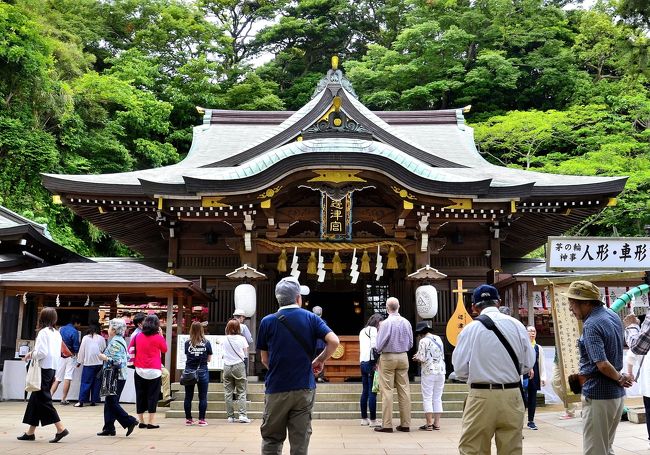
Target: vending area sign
x=598, y=253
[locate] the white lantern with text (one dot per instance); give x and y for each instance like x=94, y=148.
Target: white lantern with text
x=426, y=301
x=246, y=299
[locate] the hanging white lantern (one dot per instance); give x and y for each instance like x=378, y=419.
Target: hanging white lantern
x=426, y=301
x=246, y=299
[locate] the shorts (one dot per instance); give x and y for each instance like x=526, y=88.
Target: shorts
x=66, y=368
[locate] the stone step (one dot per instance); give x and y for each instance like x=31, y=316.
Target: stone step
x=322, y=396
x=320, y=415
x=346, y=387
x=319, y=406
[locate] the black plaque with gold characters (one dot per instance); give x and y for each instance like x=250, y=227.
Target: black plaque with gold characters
x=336, y=217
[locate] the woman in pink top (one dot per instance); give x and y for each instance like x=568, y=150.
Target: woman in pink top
x=148, y=346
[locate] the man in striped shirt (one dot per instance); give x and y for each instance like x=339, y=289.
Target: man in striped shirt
x=394, y=340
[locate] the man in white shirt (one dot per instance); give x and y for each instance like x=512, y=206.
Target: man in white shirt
x=495, y=406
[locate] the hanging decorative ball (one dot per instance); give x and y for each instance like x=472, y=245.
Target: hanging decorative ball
x=391, y=264
x=336, y=264
x=365, y=263
x=282, y=261
x=311, y=264
x=246, y=299
x=426, y=301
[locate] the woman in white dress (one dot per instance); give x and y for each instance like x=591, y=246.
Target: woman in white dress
x=431, y=354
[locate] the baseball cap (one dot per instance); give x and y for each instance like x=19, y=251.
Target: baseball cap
x=582, y=290
x=288, y=289
x=423, y=327
x=485, y=293
x=239, y=312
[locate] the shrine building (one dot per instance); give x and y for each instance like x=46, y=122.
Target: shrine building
x=334, y=181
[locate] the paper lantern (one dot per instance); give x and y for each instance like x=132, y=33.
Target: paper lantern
x=426, y=301
x=246, y=299
x=365, y=263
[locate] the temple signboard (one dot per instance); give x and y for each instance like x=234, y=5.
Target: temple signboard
x=336, y=217
x=594, y=253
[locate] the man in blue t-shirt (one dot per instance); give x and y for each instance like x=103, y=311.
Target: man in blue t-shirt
x=70, y=335
x=287, y=343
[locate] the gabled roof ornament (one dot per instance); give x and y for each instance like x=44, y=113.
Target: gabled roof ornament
x=335, y=76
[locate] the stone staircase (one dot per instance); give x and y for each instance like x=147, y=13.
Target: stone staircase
x=333, y=401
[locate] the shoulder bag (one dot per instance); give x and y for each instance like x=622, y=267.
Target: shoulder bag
x=110, y=375
x=490, y=325
x=189, y=376
x=65, y=351
x=234, y=350
x=283, y=319
x=131, y=354
x=33, y=379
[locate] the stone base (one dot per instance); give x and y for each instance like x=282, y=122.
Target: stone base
x=636, y=415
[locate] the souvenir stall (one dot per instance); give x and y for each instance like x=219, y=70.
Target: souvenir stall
x=97, y=292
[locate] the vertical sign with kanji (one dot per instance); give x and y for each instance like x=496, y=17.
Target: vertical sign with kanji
x=336, y=217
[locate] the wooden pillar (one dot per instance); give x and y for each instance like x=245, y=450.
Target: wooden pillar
x=21, y=312
x=2, y=310
x=515, y=301
x=169, y=334
x=531, y=307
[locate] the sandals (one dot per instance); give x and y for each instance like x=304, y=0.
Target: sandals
x=431, y=427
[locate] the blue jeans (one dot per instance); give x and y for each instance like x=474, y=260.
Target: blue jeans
x=113, y=411
x=204, y=380
x=90, y=384
x=368, y=398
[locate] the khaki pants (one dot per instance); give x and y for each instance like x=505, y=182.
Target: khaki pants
x=165, y=388
x=234, y=384
x=393, y=373
x=287, y=411
x=599, y=420
x=488, y=413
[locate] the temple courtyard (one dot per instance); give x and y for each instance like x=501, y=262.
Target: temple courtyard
x=330, y=437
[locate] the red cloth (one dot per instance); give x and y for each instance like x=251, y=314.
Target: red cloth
x=148, y=349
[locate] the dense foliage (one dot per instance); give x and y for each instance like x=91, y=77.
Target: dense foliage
x=89, y=86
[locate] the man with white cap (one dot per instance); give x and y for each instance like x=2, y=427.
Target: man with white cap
x=495, y=405
x=287, y=342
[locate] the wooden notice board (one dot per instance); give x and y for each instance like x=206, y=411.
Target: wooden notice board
x=567, y=333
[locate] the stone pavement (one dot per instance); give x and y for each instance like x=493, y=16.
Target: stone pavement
x=330, y=437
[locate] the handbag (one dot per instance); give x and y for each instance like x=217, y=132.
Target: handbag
x=110, y=376
x=131, y=353
x=33, y=379
x=65, y=351
x=375, y=382
x=189, y=377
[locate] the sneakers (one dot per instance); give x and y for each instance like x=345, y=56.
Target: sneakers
x=374, y=423
x=532, y=426
x=567, y=416
x=244, y=419
x=231, y=420
x=365, y=422
x=203, y=423
x=189, y=422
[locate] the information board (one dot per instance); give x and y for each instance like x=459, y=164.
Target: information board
x=594, y=253
x=217, y=351
x=567, y=333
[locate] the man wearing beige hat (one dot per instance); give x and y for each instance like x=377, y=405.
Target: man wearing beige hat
x=601, y=359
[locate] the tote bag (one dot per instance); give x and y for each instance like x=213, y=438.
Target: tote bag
x=33, y=379
x=109, y=382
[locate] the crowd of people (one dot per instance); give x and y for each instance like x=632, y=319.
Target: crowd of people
x=496, y=355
